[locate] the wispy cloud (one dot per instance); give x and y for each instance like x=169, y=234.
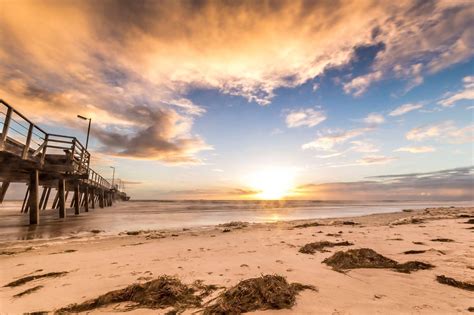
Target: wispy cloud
x=329, y=141
x=360, y=84
x=363, y=146
x=374, y=119
x=467, y=93
x=405, y=108
x=421, y=149
x=304, y=117
x=376, y=159
x=444, y=131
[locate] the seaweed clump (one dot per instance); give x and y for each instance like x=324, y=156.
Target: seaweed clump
x=368, y=258
x=263, y=293
x=311, y=248
x=455, y=283
x=164, y=292
x=27, y=279
x=306, y=225
x=28, y=291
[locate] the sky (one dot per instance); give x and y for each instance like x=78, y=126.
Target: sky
x=363, y=100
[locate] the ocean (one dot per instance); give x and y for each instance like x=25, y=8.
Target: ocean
x=171, y=215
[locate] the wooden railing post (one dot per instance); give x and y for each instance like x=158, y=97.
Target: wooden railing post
x=44, y=148
x=26, y=148
x=6, y=126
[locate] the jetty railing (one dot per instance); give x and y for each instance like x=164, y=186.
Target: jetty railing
x=25, y=138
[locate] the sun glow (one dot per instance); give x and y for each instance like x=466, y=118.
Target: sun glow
x=270, y=184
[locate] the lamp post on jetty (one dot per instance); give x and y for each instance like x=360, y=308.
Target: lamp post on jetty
x=88, y=129
x=113, y=176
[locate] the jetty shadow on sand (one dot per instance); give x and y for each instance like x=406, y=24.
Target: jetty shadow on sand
x=368, y=258
x=263, y=293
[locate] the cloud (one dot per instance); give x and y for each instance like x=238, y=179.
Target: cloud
x=406, y=108
x=363, y=146
x=329, y=141
x=450, y=184
x=375, y=159
x=304, y=117
x=467, y=93
x=444, y=131
x=360, y=84
x=374, y=119
x=111, y=59
x=423, y=149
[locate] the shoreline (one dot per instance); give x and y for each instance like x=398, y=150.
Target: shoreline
x=225, y=254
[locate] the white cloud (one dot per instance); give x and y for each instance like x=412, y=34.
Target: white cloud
x=403, y=109
x=329, y=141
x=467, y=93
x=423, y=149
x=444, y=132
x=374, y=119
x=359, y=85
x=363, y=146
x=375, y=159
x=304, y=117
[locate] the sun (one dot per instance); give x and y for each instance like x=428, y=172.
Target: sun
x=272, y=183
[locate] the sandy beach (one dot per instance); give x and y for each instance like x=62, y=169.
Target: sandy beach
x=93, y=265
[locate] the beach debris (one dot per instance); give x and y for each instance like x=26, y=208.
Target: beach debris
x=27, y=279
x=470, y=309
x=455, y=283
x=7, y=253
x=410, y=220
x=311, y=248
x=28, y=291
x=234, y=224
x=418, y=243
x=407, y=210
x=262, y=293
x=226, y=230
x=306, y=225
x=445, y=240
x=349, y=223
x=470, y=221
x=414, y=252
x=163, y=292
x=368, y=258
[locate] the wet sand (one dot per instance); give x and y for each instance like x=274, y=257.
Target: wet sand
x=224, y=255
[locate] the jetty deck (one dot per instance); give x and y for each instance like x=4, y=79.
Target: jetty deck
x=47, y=161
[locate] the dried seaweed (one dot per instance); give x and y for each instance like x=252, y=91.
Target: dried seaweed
x=163, y=292
x=455, y=283
x=263, y=293
x=368, y=258
x=27, y=279
x=28, y=291
x=311, y=248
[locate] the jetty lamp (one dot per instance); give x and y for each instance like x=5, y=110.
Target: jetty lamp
x=113, y=176
x=88, y=129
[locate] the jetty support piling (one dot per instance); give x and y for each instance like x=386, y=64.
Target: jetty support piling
x=3, y=191
x=33, y=199
x=61, y=198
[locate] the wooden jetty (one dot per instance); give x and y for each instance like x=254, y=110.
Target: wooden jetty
x=30, y=155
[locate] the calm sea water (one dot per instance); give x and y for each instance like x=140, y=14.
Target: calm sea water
x=144, y=215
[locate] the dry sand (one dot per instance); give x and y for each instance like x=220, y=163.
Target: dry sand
x=98, y=264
